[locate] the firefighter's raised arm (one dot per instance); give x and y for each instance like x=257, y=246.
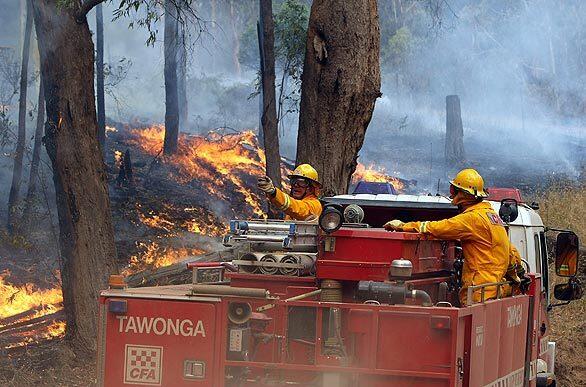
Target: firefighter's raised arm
x=303, y=202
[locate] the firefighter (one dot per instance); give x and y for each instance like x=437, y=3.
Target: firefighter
x=302, y=203
x=489, y=256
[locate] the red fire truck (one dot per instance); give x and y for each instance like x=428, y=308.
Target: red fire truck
x=341, y=303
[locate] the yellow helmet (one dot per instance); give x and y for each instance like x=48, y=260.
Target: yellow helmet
x=468, y=180
x=306, y=171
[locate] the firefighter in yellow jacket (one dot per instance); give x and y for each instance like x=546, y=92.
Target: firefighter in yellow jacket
x=303, y=202
x=489, y=256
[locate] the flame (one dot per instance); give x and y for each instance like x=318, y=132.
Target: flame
x=220, y=163
x=19, y=299
x=118, y=158
x=15, y=304
x=153, y=255
x=376, y=174
x=110, y=129
x=154, y=220
x=57, y=329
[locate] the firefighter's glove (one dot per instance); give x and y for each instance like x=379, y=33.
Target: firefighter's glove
x=266, y=185
x=514, y=274
x=525, y=281
x=394, y=225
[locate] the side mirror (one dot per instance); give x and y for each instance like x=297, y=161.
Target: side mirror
x=568, y=292
x=566, y=254
x=508, y=210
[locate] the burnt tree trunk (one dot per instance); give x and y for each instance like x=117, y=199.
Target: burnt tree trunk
x=36, y=159
x=100, y=77
x=171, y=92
x=19, y=152
x=454, y=150
x=88, y=252
x=269, y=108
x=182, y=78
x=340, y=84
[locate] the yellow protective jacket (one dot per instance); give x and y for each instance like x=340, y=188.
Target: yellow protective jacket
x=487, y=250
x=308, y=208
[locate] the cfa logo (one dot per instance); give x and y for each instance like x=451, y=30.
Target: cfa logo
x=515, y=313
x=142, y=364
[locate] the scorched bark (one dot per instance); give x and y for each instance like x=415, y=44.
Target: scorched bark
x=86, y=236
x=340, y=84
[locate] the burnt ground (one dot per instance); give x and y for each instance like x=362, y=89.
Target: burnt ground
x=33, y=259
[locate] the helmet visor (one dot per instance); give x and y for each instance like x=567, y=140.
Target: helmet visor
x=299, y=182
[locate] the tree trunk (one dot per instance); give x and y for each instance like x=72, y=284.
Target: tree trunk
x=269, y=112
x=182, y=78
x=454, y=150
x=100, y=77
x=88, y=252
x=171, y=93
x=235, y=39
x=34, y=172
x=340, y=84
x=19, y=153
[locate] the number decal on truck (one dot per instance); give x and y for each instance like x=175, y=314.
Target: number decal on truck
x=514, y=313
x=479, y=335
x=142, y=364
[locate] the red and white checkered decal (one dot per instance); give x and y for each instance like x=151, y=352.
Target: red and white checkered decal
x=143, y=365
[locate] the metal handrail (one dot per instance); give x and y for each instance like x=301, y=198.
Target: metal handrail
x=471, y=289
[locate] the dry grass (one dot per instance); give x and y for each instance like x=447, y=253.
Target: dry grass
x=49, y=364
x=564, y=206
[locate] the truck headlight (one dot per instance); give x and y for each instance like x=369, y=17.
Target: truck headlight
x=330, y=219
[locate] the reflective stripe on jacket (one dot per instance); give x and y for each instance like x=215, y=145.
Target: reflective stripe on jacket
x=308, y=208
x=485, y=244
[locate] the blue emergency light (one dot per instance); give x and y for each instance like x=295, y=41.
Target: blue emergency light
x=374, y=188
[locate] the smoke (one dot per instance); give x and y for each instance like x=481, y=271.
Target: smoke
x=518, y=68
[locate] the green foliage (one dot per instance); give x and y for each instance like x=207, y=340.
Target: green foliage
x=147, y=13
x=248, y=55
x=291, y=23
x=291, y=20
x=398, y=47
x=150, y=14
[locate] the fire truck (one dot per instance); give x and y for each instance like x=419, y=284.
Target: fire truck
x=340, y=303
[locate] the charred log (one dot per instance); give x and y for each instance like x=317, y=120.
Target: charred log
x=125, y=176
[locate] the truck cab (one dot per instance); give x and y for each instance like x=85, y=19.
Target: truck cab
x=340, y=303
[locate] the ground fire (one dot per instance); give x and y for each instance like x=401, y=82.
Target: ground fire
x=224, y=166
x=28, y=314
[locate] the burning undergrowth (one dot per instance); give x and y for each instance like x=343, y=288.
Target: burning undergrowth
x=166, y=209
x=29, y=314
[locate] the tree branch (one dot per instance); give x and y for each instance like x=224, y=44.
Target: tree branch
x=86, y=6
